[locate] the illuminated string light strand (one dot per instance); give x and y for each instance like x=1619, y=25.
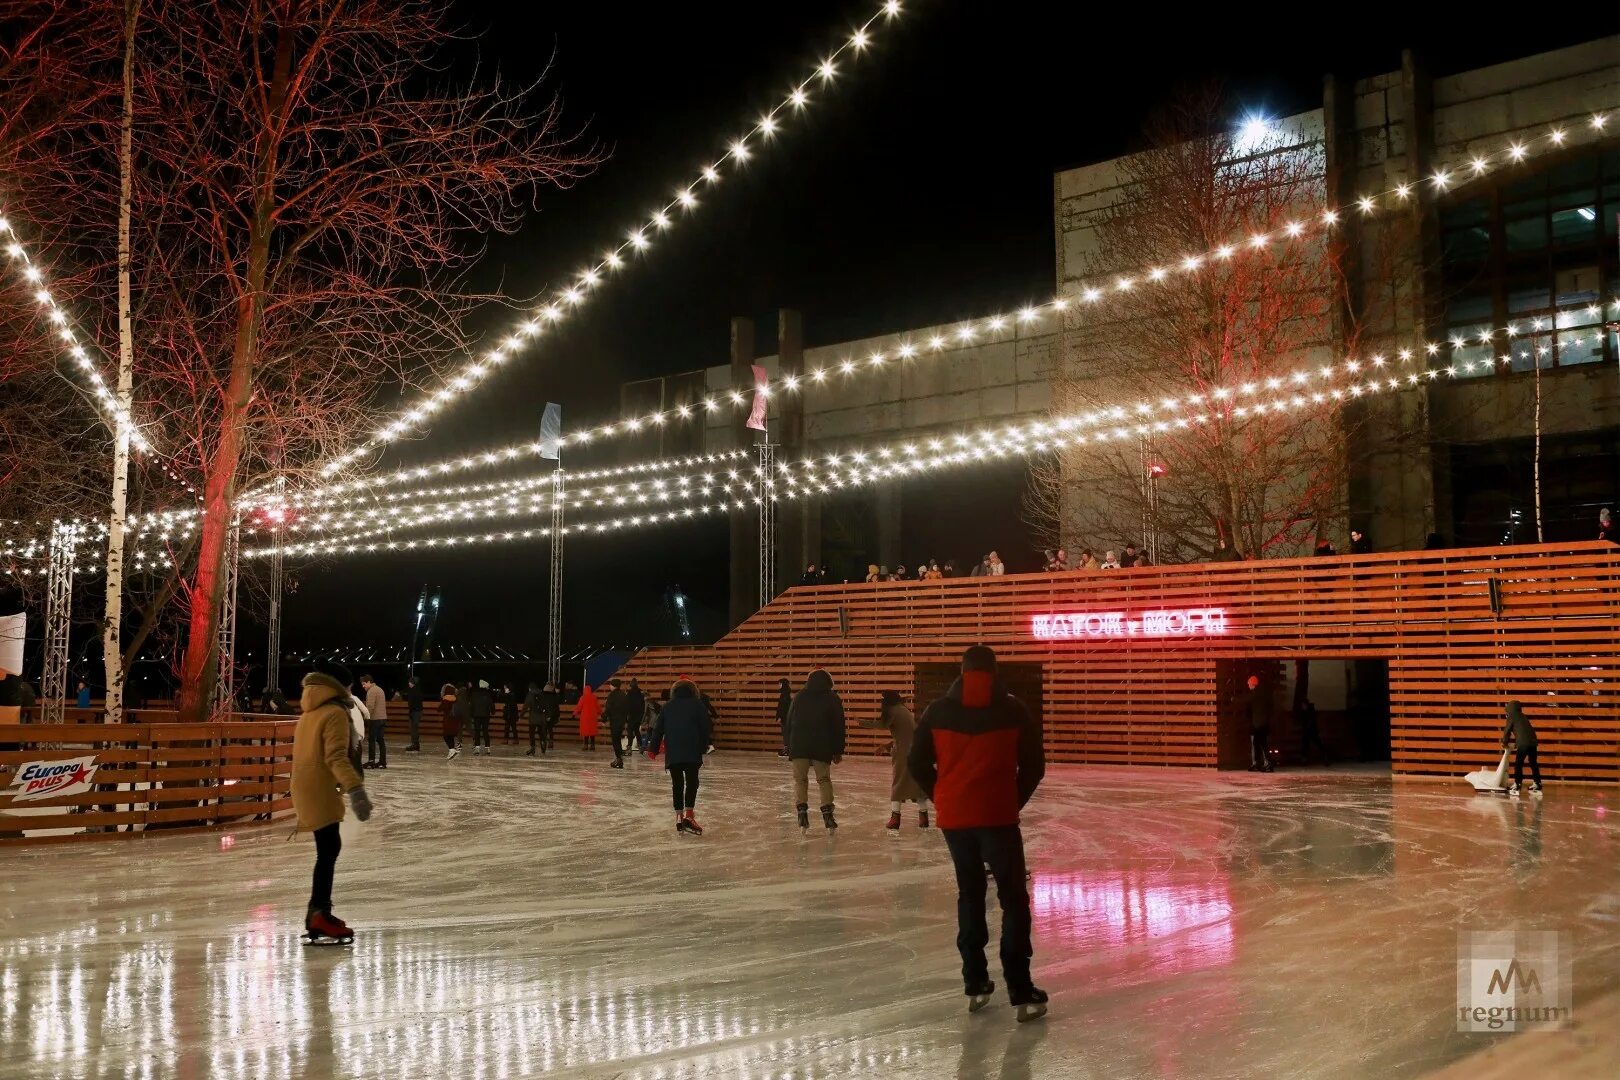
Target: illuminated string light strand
x=78, y=356
x=739, y=489
x=637, y=241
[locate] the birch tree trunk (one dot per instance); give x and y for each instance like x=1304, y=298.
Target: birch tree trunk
x=112, y=625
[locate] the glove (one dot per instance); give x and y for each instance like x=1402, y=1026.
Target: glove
x=361, y=802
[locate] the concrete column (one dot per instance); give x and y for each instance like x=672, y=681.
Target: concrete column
x=798, y=521
x=744, y=525
x=887, y=513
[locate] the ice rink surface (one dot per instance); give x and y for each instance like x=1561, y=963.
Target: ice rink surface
x=525, y=917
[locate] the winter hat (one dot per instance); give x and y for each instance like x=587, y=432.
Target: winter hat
x=483, y=684
x=979, y=658
x=892, y=697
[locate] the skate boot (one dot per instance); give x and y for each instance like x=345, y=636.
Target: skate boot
x=1513, y=791
x=691, y=824
x=804, y=816
x=922, y=819
x=320, y=928
x=1535, y=790
x=1031, y=1003
x=529, y=752
x=827, y=817
x=618, y=763
x=894, y=821
x=978, y=995
x=455, y=752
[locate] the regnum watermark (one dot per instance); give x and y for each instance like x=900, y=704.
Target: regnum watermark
x=1513, y=980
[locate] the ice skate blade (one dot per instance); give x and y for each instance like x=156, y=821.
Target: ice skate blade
x=1026, y=1013
x=323, y=940
x=977, y=1002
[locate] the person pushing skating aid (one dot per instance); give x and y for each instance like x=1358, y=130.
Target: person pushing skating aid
x=978, y=753
x=322, y=769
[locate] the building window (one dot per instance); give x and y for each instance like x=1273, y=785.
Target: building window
x=1539, y=252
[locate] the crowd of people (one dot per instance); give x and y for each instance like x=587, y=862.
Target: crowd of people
x=976, y=754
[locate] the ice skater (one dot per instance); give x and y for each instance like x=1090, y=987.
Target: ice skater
x=897, y=720
x=683, y=732
x=450, y=710
x=480, y=706
x=978, y=753
x=815, y=741
x=1254, y=703
x=617, y=710
x=1523, y=734
x=588, y=712
x=322, y=770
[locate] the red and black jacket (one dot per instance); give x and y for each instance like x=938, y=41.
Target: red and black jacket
x=978, y=754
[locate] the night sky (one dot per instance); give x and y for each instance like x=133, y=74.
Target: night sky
x=918, y=192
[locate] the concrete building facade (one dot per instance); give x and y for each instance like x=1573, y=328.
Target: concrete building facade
x=1518, y=242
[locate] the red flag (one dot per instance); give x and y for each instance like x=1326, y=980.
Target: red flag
x=756, y=418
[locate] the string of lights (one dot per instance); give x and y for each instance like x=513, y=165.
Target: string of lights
x=974, y=331
x=637, y=241
x=80, y=362
x=1304, y=387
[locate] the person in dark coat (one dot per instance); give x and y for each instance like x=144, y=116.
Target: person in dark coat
x=1131, y=558
x=784, y=702
x=545, y=712
x=617, y=711
x=509, y=714
x=635, y=709
x=1523, y=734
x=1359, y=544
x=979, y=755
x=480, y=706
x=1324, y=546
x=452, y=713
x=683, y=732
x=1224, y=553
x=1254, y=703
x=413, y=706
x=812, y=576
x=815, y=740
x=1310, y=734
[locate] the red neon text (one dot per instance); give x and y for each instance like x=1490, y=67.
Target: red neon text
x=1175, y=622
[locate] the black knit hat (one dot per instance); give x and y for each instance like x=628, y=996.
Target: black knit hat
x=979, y=658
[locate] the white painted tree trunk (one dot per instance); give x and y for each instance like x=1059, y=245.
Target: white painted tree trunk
x=113, y=620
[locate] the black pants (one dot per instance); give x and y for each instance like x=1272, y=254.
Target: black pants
x=449, y=742
x=1521, y=755
x=377, y=741
x=1261, y=737
x=616, y=728
x=327, y=845
x=511, y=727
x=1002, y=849
x=1309, y=737
x=416, y=729
x=480, y=730
x=537, y=732
x=683, y=783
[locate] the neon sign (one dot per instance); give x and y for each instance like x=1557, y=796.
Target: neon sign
x=1101, y=625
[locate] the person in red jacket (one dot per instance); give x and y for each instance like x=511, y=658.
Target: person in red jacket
x=978, y=754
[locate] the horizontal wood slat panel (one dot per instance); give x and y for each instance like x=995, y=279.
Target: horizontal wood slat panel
x=166, y=775
x=1453, y=662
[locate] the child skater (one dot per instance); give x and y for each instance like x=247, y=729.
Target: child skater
x=322, y=768
x=683, y=731
x=897, y=720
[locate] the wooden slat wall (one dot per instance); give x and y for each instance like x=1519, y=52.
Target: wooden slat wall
x=188, y=775
x=1148, y=701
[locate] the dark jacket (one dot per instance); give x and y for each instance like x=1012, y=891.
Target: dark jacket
x=784, y=702
x=1362, y=546
x=413, y=695
x=545, y=705
x=1256, y=705
x=635, y=704
x=1518, y=726
x=682, y=729
x=1225, y=554
x=461, y=708
x=480, y=703
x=617, y=707
x=978, y=754
x=816, y=720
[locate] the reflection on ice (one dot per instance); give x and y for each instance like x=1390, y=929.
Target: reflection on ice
x=525, y=918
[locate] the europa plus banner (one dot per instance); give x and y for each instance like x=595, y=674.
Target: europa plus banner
x=45, y=779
